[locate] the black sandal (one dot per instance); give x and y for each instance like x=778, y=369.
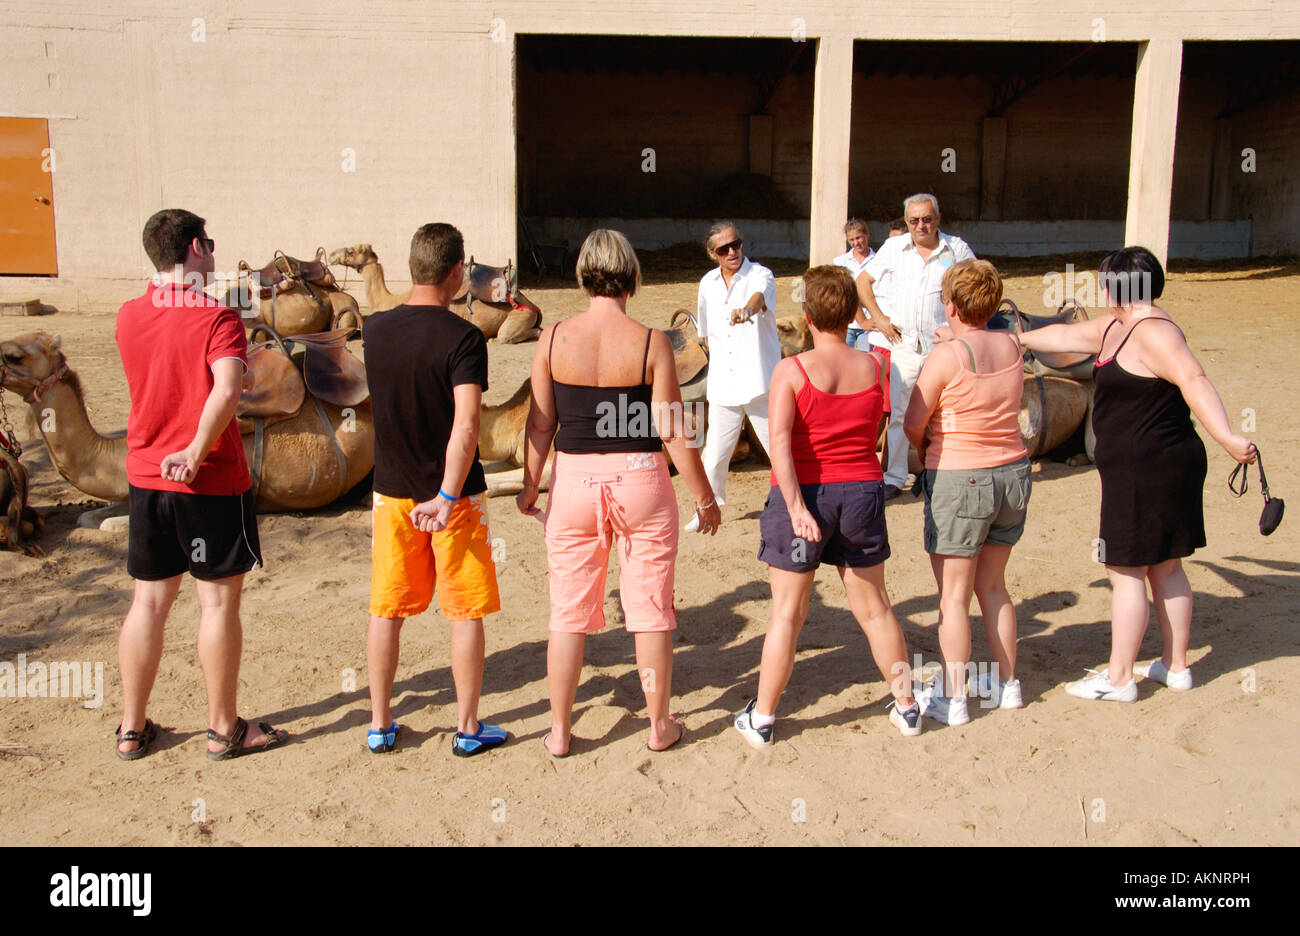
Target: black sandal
x=143, y=739
x=234, y=744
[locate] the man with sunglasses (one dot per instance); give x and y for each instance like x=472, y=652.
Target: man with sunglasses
x=914, y=266
x=192, y=510
x=735, y=314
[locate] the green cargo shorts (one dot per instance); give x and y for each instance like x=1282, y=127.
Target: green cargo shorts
x=964, y=510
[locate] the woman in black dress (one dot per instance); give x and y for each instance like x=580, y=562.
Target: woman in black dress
x=1148, y=384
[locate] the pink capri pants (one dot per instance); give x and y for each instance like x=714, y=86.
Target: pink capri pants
x=596, y=500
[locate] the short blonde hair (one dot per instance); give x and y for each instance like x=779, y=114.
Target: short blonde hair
x=607, y=265
x=975, y=288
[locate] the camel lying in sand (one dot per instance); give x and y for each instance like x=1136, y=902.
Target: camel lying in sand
x=309, y=459
x=499, y=310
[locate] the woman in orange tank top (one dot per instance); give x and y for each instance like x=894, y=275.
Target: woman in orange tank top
x=963, y=419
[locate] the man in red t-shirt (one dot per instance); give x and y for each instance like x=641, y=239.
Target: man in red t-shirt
x=184, y=355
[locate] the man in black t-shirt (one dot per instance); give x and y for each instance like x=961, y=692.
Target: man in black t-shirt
x=427, y=370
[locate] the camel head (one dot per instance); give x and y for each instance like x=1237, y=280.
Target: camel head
x=794, y=334
x=30, y=359
x=355, y=257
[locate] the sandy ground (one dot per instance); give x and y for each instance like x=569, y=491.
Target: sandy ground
x=1213, y=766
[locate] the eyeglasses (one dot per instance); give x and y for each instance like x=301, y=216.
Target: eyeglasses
x=725, y=249
x=927, y=221
x=209, y=243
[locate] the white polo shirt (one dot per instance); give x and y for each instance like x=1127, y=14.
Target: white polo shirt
x=742, y=356
x=915, y=285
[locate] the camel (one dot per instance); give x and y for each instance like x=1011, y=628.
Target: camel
x=492, y=302
x=18, y=522
x=295, y=298
x=302, y=467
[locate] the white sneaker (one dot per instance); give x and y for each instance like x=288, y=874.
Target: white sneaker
x=1156, y=669
x=997, y=694
x=947, y=711
x=693, y=524
x=907, y=721
x=1009, y=694
x=758, y=737
x=1098, y=686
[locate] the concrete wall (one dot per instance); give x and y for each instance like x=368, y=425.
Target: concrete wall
x=1271, y=194
x=249, y=127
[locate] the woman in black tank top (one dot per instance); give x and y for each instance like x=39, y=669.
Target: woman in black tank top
x=1152, y=466
x=610, y=485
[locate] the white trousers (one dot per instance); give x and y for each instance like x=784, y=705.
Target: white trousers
x=725, y=423
x=904, y=368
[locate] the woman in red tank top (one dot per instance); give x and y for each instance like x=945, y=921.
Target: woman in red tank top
x=827, y=502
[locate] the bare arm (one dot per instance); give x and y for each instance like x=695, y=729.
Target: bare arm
x=432, y=515
x=1166, y=353
x=939, y=368
x=677, y=429
x=780, y=422
x=878, y=320
x=1083, y=337
x=218, y=410
x=755, y=305
x=539, y=431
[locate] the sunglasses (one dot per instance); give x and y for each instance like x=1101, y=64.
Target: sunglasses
x=209, y=243
x=927, y=220
x=725, y=249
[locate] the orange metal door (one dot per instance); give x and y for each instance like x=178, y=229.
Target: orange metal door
x=26, y=198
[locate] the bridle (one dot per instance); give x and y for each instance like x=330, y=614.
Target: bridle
x=8, y=440
x=39, y=390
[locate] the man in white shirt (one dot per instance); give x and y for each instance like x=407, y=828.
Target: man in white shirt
x=915, y=266
x=736, y=314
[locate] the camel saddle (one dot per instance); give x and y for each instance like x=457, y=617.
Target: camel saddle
x=285, y=272
x=689, y=356
x=496, y=286
x=1008, y=317
x=280, y=381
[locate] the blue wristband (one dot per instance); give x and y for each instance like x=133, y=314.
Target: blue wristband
x=442, y=493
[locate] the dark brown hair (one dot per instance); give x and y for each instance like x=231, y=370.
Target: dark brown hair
x=829, y=297
x=435, y=251
x=168, y=235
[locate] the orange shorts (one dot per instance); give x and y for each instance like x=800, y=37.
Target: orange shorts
x=407, y=564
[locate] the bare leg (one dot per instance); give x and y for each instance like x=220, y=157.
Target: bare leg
x=467, y=671
x=1129, y=613
x=996, y=607
x=383, y=639
x=875, y=615
x=563, y=670
x=1172, y=594
x=139, y=650
x=957, y=574
x=221, y=644
x=654, y=664
x=790, y=594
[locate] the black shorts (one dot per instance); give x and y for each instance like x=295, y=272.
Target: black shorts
x=212, y=536
x=850, y=515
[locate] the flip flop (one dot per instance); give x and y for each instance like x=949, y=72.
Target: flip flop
x=143, y=739
x=234, y=743
x=681, y=733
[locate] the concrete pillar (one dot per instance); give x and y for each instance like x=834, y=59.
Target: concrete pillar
x=494, y=231
x=1151, y=158
x=1221, y=172
x=832, y=115
x=993, y=167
